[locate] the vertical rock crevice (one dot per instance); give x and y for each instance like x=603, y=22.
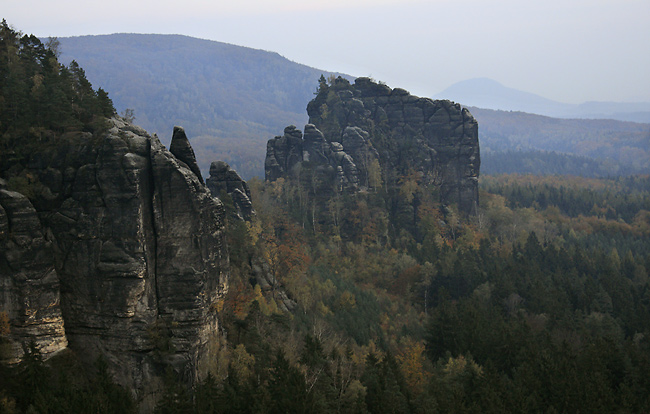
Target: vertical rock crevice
x=367, y=121
x=136, y=240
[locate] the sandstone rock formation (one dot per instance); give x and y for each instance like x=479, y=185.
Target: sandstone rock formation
x=283, y=153
x=182, y=150
x=134, y=243
x=29, y=284
x=286, y=153
x=367, y=121
x=225, y=179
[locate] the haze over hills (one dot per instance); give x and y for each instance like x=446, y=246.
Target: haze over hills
x=490, y=94
x=129, y=284
x=231, y=100
x=226, y=97
x=521, y=142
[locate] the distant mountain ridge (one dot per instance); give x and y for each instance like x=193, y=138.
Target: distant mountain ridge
x=490, y=94
x=225, y=96
x=619, y=147
x=231, y=100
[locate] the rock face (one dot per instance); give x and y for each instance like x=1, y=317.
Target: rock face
x=29, y=285
x=134, y=243
x=365, y=123
x=225, y=179
x=182, y=150
x=283, y=153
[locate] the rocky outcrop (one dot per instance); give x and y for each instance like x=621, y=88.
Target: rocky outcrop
x=283, y=153
x=182, y=150
x=368, y=121
x=288, y=153
x=225, y=179
x=29, y=286
x=137, y=253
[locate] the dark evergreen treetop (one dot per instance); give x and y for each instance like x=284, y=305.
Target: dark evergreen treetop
x=40, y=98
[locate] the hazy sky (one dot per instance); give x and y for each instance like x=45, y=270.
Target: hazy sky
x=567, y=50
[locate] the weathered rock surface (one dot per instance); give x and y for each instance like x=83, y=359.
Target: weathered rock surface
x=287, y=153
x=182, y=150
x=137, y=243
x=29, y=284
x=367, y=121
x=225, y=179
x=283, y=153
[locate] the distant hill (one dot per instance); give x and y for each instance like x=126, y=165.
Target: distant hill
x=490, y=94
x=230, y=99
x=600, y=146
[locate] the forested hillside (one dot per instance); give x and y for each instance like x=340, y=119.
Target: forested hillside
x=230, y=99
x=531, y=306
x=538, y=303
x=518, y=142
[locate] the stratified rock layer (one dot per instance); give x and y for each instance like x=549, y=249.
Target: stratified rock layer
x=29, y=286
x=137, y=244
x=367, y=121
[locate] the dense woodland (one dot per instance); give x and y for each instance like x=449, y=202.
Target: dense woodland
x=523, y=308
x=539, y=303
x=41, y=99
x=538, y=162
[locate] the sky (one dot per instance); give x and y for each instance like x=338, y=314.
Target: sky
x=570, y=51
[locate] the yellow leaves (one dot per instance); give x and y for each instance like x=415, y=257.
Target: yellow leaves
x=273, y=306
x=219, y=355
x=347, y=300
x=374, y=175
x=409, y=185
x=261, y=300
x=242, y=362
x=254, y=228
x=641, y=222
x=277, y=188
x=4, y=324
x=238, y=359
x=408, y=189
x=470, y=238
x=38, y=83
x=412, y=361
x=458, y=367
x=353, y=393
x=218, y=306
x=328, y=288
x=365, y=350
x=322, y=309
